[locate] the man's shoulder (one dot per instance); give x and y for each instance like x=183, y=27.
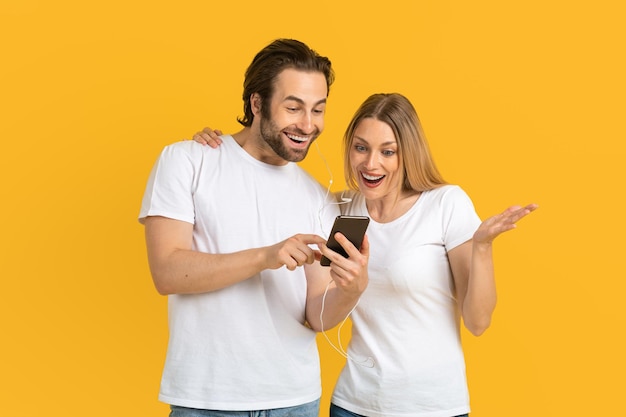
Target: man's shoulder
x=180, y=149
x=194, y=152
x=184, y=146
x=308, y=178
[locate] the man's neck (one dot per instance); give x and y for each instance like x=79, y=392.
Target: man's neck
x=251, y=141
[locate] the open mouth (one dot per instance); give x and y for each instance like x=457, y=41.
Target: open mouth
x=297, y=139
x=372, y=179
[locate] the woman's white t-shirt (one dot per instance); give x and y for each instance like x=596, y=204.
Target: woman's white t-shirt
x=407, y=320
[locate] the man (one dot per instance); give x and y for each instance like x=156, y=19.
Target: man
x=229, y=234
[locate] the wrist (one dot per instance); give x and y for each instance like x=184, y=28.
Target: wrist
x=482, y=246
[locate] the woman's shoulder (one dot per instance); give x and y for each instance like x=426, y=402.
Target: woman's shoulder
x=446, y=189
x=446, y=196
x=442, y=191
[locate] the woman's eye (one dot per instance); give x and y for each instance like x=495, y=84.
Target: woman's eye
x=360, y=148
x=389, y=153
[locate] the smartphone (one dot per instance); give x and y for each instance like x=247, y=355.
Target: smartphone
x=352, y=227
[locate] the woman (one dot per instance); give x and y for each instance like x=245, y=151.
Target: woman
x=430, y=265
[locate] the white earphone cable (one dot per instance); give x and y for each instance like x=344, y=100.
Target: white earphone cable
x=369, y=361
x=344, y=200
x=366, y=362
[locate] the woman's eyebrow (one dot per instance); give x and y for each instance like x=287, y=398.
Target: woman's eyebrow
x=391, y=142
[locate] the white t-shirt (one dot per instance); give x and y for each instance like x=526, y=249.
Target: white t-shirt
x=244, y=347
x=407, y=319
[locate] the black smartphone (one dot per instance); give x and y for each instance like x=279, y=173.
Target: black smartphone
x=352, y=227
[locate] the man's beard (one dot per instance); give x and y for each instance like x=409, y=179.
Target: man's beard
x=272, y=135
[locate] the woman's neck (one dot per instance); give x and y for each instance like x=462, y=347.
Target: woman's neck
x=389, y=208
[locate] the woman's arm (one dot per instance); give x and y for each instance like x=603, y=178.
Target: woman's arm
x=347, y=281
x=472, y=267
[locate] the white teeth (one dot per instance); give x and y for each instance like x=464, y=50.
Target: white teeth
x=297, y=138
x=371, y=178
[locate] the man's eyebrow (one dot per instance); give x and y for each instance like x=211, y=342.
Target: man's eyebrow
x=300, y=101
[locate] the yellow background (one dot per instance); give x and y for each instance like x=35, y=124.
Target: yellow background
x=522, y=102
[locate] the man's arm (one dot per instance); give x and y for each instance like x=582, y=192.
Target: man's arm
x=177, y=269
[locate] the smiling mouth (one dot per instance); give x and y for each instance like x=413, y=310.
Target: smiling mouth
x=297, y=139
x=372, y=179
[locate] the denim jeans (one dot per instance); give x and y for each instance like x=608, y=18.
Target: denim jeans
x=340, y=412
x=311, y=409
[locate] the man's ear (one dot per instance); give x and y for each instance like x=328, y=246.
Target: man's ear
x=255, y=103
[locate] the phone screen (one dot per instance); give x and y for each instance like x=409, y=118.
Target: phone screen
x=353, y=228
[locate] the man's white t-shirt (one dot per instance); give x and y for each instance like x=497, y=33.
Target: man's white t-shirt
x=244, y=347
x=407, y=319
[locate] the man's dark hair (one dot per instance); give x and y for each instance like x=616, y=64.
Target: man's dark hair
x=270, y=62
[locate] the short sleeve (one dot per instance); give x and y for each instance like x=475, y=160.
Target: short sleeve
x=460, y=219
x=169, y=191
